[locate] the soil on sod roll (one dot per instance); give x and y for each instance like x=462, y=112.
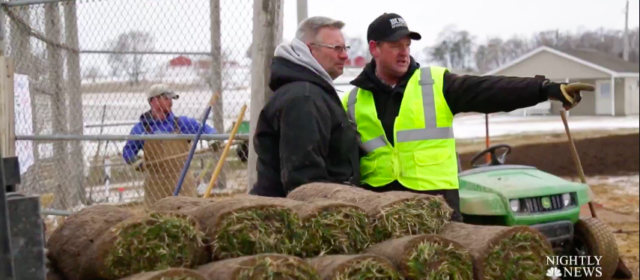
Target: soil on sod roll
x=260, y=267
x=146, y=242
x=67, y=246
x=180, y=203
x=53, y=273
x=237, y=226
x=394, y=214
x=427, y=256
x=502, y=252
x=354, y=267
x=168, y=274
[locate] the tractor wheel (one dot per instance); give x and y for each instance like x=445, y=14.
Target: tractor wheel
x=593, y=237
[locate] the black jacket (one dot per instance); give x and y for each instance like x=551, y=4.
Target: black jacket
x=481, y=94
x=303, y=134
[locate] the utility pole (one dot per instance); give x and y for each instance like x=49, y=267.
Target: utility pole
x=267, y=34
x=217, y=60
x=303, y=10
x=625, y=47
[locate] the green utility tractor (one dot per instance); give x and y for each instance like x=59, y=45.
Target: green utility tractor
x=495, y=193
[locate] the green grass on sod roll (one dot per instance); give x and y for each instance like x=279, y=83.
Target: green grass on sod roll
x=426, y=256
x=522, y=256
x=150, y=242
x=331, y=227
x=502, y=252
x=354, y=267
x=260, y=267
x=403, y=217
x=248, y=232
x=438, y=261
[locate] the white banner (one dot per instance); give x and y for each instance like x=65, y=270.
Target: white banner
x=22, y=101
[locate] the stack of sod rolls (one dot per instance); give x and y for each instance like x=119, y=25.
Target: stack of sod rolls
x=321, y=231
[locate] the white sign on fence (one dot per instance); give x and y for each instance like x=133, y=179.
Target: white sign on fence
x=22, y=101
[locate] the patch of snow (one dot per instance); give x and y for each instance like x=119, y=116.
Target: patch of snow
x=473, y=126
x=624, y=185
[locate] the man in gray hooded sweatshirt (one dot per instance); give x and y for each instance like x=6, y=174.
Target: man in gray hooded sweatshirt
x=303, y=134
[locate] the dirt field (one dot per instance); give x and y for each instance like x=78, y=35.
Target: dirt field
x=617, y=203
x=610, y=155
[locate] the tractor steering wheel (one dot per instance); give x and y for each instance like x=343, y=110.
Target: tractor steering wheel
x=495, y=160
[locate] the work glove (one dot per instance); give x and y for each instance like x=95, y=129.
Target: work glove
x=568, y=94
x=214, y=145
x=138, y=165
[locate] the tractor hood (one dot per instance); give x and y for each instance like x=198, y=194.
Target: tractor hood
x=518, y=182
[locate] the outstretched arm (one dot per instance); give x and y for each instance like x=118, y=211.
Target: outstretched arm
x=305, y=129
x=492, y=94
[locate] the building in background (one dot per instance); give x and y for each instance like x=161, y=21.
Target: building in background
x=616, y=80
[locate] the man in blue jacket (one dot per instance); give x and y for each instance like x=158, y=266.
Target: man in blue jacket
x=163, y=159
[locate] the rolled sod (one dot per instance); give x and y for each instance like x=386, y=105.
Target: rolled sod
x=179, y=203
x=53, y=273
x=238, y=226
x=260, y=267
x=145, y=242
x=503, y=252
x=67, y=246
x=354, y=267
x=426, y=256
x=330, y=227
x=393, y=214
x=168, y=274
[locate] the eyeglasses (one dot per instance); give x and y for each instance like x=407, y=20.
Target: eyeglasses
x=338, y=49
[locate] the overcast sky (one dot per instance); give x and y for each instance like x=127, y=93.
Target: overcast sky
x=483, y=18
x=183, y=25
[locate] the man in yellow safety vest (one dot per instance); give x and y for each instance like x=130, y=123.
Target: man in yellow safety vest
x=404, y=113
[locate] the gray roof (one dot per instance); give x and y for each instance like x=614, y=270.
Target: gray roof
x=603, y=59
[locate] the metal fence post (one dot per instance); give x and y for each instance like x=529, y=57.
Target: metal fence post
x=217, y=79
x=6, y=263
x=7, y=113
x=58, y=101
x=75, y=112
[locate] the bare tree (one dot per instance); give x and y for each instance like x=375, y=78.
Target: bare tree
x=358, y=47
x=634, y=48
x=453, y=50
x=204, y=73
x=514, y=48
x=133, y=64
x=497, y=52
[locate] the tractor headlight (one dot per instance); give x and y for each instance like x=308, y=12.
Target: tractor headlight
x=566, y=199
x=515, y=205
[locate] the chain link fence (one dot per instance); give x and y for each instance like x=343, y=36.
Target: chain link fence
x=82, y=72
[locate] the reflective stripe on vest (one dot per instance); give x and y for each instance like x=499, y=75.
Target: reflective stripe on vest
x=431, y=130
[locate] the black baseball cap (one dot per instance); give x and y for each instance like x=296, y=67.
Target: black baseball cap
x=390, y=27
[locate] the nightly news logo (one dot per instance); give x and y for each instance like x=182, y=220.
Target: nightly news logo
x=574, y=266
